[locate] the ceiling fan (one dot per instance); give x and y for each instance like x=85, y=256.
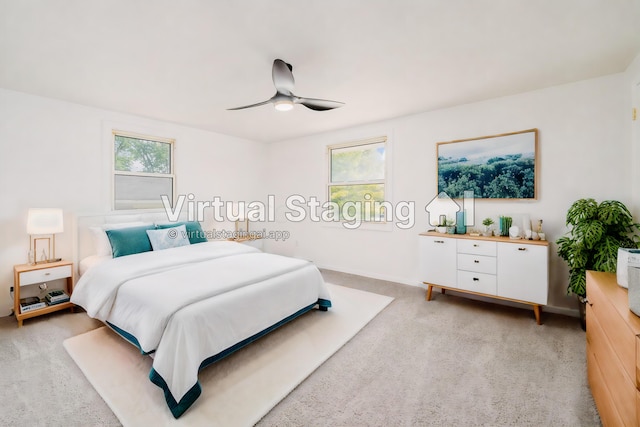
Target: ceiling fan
x=284, y=99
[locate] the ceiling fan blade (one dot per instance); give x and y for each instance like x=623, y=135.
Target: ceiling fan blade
x=249, y=106
x=282, y=77
x=319, y=104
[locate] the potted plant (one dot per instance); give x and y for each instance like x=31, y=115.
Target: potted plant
x=487, y=222
x=451, y=226
x=596, y=231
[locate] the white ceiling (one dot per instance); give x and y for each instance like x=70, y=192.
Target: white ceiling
x=187, y=61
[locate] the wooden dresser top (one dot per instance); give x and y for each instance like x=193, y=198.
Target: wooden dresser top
x=617, y=295
x=491, y=239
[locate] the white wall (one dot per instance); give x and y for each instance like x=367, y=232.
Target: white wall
x=52, y=154
x=632, y=92
x=584, y=151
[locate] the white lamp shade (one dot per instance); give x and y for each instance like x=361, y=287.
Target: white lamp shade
x=45, y=221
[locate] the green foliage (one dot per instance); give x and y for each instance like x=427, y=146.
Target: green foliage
x=350, y=167
x=582, y=210
x=139, y=155
x=353, y=164
x=509, y=176
x=596, y=232
x=487, y=222
x=364, y=195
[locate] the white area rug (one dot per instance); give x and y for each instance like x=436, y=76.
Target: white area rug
x=238, y=390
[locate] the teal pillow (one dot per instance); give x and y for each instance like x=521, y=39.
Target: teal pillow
x=129, y=241
x=194, y=230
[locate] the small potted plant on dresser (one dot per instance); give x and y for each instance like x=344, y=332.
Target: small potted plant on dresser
x=596, y=231
x=487, y=222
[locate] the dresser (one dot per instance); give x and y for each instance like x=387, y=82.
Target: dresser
x=613, y=351
x=496, y=267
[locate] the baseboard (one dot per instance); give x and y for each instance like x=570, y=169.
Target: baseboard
x=547, y=308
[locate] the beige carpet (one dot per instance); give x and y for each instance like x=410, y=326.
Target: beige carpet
x=238, y=390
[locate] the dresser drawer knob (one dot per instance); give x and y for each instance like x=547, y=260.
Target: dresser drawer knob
x=476, y=261
x=475, y=245
x=438, y=241
x=475, y=279
x=47, y=274
x=522, y=249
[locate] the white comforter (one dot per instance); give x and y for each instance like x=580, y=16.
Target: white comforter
x=192, y=302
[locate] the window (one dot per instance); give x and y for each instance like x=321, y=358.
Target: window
x=357, y=176
x=142, y=171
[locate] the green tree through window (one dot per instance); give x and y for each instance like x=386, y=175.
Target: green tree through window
x=357, y=178
x=142, y=171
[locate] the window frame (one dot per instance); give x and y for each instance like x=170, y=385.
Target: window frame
x=114, y=172
x=386, y=182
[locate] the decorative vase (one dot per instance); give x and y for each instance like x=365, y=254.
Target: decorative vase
x=505, y=224
x=460, y=221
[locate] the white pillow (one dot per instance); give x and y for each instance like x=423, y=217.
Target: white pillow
x=166, y=238
x=100, y=239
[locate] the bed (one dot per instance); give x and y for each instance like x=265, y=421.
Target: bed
x=191, y=305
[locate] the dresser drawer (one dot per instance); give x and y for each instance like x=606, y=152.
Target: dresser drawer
x=637, y=377
x=477, y=247
x=617, y=333
x=477, y=263
x=620, y=386
x=45, y=275
x=477, y=282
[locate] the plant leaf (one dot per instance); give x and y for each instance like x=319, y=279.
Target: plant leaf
x=606, y=257
x=589, y=233
x=613, y=212
x=581, y=210
x=577, y=282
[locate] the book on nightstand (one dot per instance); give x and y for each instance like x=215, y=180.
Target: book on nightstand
x=30, y=304
x=56, y=297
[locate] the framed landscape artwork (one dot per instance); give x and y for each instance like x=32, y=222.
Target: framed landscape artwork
x=493, y=167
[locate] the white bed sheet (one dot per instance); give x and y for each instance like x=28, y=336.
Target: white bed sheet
x=90, y=262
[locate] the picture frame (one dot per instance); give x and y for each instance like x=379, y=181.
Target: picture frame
x=242, y=228
x=42, y=251
x=495, y=167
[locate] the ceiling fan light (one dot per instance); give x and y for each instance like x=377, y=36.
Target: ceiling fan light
x=284, y=105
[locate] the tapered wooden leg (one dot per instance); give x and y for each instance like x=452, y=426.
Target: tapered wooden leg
x=442, y=290
x=429, y=289
x=536, y=311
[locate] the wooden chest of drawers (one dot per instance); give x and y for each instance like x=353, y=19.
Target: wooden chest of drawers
x=613, y=351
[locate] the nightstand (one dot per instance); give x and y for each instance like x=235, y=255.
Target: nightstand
x=34, y=274
x=256, y=242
